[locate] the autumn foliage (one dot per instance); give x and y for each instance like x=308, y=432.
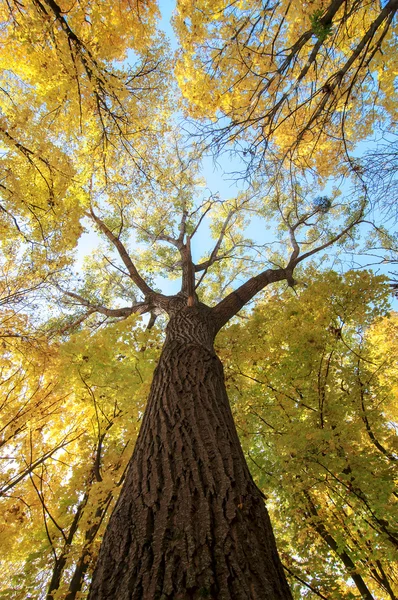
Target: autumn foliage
x=104, y=131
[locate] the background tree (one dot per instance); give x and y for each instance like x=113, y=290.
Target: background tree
x=312, y=380
x=69, y=418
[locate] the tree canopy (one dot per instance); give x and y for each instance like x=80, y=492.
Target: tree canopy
x=302, y=81
x=104, y=131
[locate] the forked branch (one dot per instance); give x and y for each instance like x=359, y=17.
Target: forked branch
x=232, y=304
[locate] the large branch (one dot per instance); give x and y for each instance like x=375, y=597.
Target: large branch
x=188, y=274
x=135, y=276
x=139, y=308
x=339, y=550
x=231, y=305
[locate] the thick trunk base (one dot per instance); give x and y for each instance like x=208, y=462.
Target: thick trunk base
x=190, y=522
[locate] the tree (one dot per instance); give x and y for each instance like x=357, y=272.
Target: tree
x=89, y=141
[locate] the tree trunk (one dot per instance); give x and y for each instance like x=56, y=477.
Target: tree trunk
x=190, y=523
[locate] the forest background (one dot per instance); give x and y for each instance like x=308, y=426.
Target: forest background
x=107, y=133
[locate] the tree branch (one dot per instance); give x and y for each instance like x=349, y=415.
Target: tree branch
x=188, y=273
x=139, y=308
x=213, y=256
x=309, y=586
x=12, y=482
x=204, y=266
x=336, y=238
x=135, y=276
x=229, y=306
x=159, y=237
x=318, y=525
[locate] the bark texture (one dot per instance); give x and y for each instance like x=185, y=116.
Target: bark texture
x=190, y=522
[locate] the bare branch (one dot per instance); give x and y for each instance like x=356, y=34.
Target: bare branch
x=139, y=308
x=135, y=276
x=158, y=237
x=214, y=254
x=182, y=226
x=332, y=241
x=309, y=586
x=188, y=273
x=31, y=467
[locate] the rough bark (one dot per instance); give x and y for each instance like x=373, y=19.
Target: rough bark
x=190, y=523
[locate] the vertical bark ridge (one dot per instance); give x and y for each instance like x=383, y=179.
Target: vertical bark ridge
x=190, y=522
